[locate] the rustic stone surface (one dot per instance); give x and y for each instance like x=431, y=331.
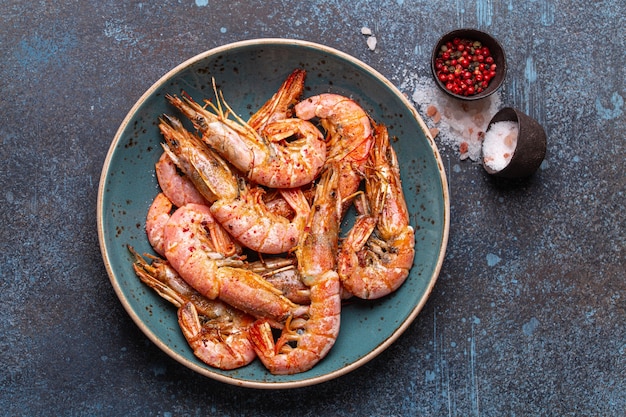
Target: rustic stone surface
x=527, y=317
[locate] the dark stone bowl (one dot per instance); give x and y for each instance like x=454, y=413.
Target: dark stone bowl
x=531, y=145
x=496, y=50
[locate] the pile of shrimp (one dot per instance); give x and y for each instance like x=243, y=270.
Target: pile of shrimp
x=246, y=228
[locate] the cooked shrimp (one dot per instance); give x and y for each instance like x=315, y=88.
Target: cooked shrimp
x=217, y=333
x=376, y=256
x=237, y=206
x=267, y=160
x=215, y=343
x=193, y=251
x=304, y=342
x=296, y=154
x=248, y=219
x=280, y=105
x=349, y=132
x=208, y=172
x=175, y=185
x=158, y=216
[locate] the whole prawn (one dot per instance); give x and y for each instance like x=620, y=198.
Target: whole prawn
x=280, y=272
x=193, y=251
x=208, y=172
x=314, y=335
x=262, y=152
x=236, y=205
x=376, y=256
x=217, y=333
x=349, y=136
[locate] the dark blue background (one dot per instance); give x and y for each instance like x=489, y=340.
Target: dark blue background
x=528, y=315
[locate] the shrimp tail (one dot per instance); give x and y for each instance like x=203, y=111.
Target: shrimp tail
x=280, y=105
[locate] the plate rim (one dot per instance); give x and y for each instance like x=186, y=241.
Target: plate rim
x=260, y=384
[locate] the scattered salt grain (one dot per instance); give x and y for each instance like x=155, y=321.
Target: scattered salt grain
x=371, y=39
x=499, y=144
x=460, y=125
x=371, y=42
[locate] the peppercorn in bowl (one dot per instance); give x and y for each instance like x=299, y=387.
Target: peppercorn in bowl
x=468, y=64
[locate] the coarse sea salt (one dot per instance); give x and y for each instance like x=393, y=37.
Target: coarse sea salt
x=499, y=144
x=371, y=42
x=371, y=38
x=453, y=123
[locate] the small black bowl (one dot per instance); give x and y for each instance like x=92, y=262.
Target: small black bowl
x=531, y=145
x=496, y=50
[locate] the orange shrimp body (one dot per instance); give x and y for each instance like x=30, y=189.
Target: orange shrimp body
x=376, y=256
x=263, y=152
x=304, y=342
x=349, y=135
x=217, y=333
x=194, y=250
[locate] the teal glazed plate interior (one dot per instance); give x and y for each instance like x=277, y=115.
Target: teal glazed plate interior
x=248, y=73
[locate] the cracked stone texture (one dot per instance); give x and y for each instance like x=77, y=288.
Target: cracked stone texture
x=528, y=314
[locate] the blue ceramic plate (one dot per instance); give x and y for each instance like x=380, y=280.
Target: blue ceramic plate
x=248, y=73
